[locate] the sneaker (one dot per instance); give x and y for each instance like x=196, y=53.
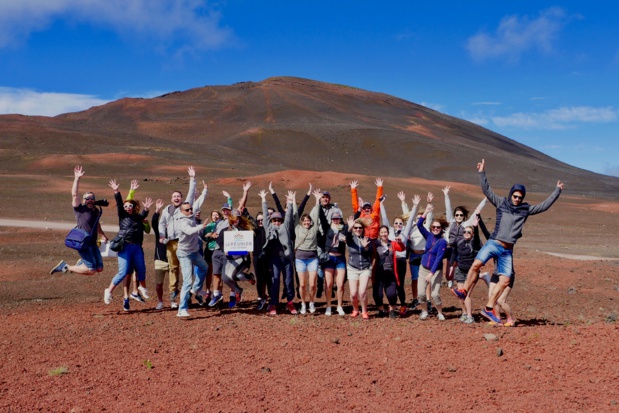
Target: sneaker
x=173, y=296
x=414, y=304
x=510, y=323
x=290, y=307
x=251, y=278
x=239, y=296
x=261, y=303
x=200, y=300
x=365, y=316
x=60, y=267
x=463, y=318
x=173, y=305
x=216, y=299
x=126, y=306
x=403, y=311
x=382, y=314
x=312, y=308
x=303, y=308
x=143, y=292
x=355, y=313
x=460, y=293
x=340, y=311
x=450, y=284
x=490, y=316
x=441, y=317
x=183, y=313
x=137, y=297
x=107, y=296
x=232, y=302
x=159, y=306
x=328, y=311
x=423, y=315
x=392, y=314
x=469, y=320
x=272, y=310
x=206, y=297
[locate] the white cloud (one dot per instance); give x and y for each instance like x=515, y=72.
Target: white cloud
x=185, y=25
x=560, y=118
x=30, y=102
x=518, y=34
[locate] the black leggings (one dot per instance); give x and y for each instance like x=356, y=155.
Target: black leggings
x=263, y=275
x=401, y=263
x=385, y=281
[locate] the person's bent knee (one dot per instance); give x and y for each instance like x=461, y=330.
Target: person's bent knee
x=436, y=299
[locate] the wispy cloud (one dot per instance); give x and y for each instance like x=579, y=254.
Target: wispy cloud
x=516, y=35
x=30, y=102
x=560, y=118
x=181, y=25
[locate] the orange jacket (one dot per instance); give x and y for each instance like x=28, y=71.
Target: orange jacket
x=371, y=220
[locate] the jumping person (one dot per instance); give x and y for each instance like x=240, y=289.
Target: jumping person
x=86, y=216
x=511, y=215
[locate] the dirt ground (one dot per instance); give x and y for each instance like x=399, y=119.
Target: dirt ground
x=64, y=350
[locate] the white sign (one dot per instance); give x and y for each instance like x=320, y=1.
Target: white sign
x=238, y=242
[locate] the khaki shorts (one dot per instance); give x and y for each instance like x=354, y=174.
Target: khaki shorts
x=161, y=269
x=354, y=274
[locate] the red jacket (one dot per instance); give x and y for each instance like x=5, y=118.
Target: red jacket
x=371, y=220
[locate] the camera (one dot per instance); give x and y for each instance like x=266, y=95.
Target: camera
x=102, y=202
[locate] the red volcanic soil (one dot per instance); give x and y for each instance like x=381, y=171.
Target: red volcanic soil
x=63, y=349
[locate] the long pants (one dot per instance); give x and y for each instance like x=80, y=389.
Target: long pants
x=187, y=262
x=171, y=248
x=263, y=275
x=130, y=259
x=235, y=264
x=401, y=263
x=281, y=266
x=435, y=285
x=384, y=281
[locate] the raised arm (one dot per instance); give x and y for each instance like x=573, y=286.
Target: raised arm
x=477, y=211
x=304, y=201
x=191, y=194
x=383, y=213
x=379, y=194
x=134, y=186
x=536, y=209
x=243, y=200
x=78, y=172
x=411, y=218
x=197, y=205
x=265, y=209
x=354, y=196
x=485, y=186
x=448, y=212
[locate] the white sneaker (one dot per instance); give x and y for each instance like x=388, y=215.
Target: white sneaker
x=144, y=292
x=441, y=317
x=159, y=306
x=173, y=305
x=450, y=284
x=312, y=308
x=303, y=310
x=182, y=313
x=424, y=315
x=328, y=311
x=340, y=311
x=107, y=296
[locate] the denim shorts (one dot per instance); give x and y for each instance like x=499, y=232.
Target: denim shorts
x=92, y=257
x=306, y=265
x=504, y=258
x=335, y=262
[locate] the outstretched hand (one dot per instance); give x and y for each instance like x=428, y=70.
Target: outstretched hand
x=309, y=191
x=292, y=196
x=263, y=195
x=430, y=197
x=147, y=203
x=354, y=184
x=481, y=165
x=429, y=208
x=317, y=194
x=226, y=194
x=112, y=184
x=365, y=241
x=205, y=185
x=379, y=182
x=560, y=185
x=246, y=186
x=158, y=205
x=351, y=221
x=271, y=190
x=416, y=200
x=78, y=172
x=446, y=190
x=191, y=172
x=134, y=184
x=401, y=196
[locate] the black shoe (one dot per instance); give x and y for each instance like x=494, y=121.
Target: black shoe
x=392, y=314
x=382, y=314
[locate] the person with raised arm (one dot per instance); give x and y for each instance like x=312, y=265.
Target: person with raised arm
x=368, y=213
x=169, y=234
x=359, y=266
x=511, y=214
x=87, y=216
x=386, y=278
x=131, y=256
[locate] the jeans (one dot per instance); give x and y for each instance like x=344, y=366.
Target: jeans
x=92, y=257
x=281, y=265
x=187, y=261
x=504, y=258
x=131, y=258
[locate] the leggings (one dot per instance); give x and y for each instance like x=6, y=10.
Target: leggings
x=384, y=281
x=401, y=263
x=263, y=275
x=235, y=264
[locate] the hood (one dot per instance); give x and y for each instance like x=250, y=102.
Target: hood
x=519, y=188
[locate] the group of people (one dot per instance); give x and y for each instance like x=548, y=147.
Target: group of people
x=321, y=249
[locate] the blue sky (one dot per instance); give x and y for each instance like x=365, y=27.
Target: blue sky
x=542, y=73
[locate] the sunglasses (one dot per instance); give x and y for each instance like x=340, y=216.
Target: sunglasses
x=516, y=197
x=468, y=232
x=459, y=215
x=398, y=223
x=357, y=227
x=187, y=209
x=128, y=206
x=89, y=198
x=260, y=220
x=435, y=227
x=277, y=220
